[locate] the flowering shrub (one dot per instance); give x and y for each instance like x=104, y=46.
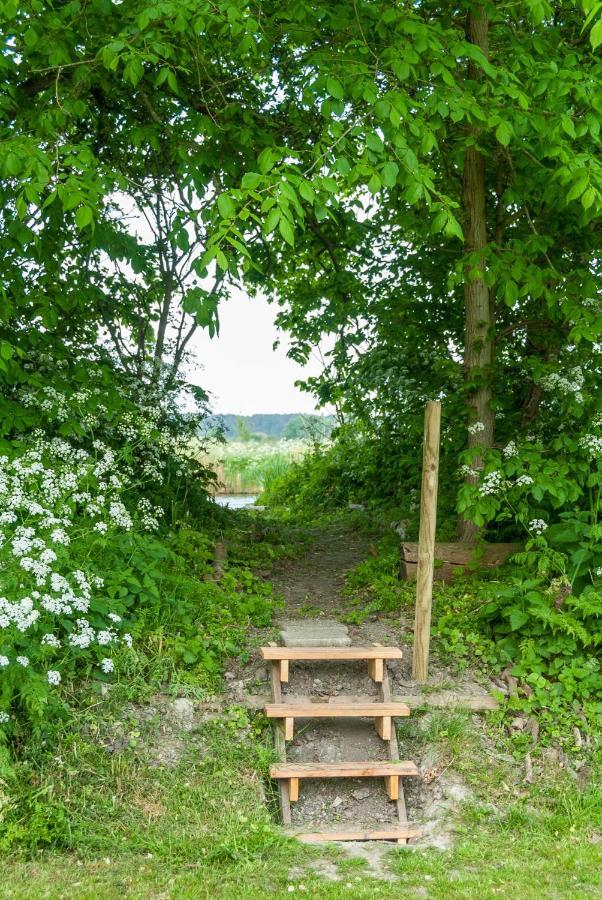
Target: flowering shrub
x=56, y=504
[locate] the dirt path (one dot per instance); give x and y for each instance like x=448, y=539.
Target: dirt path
x=316, y=579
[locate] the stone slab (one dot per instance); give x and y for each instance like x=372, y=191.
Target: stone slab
x=314, y=633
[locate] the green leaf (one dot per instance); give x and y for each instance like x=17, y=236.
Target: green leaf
x=271, y=221
x=286, y=230
x=588, y=198
x=374, y=185
x=226, y=206
x=84, y=216
x=595, y=34
x=335, y=88
x=389, y=174
x=518, y=618
x=503, y=133
x=510, y=292
x=307, y=191
x=267, y=159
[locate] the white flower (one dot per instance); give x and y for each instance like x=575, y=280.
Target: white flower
x=105, y=637
x=571, y=383
x=127, y=639
x=59, y=536
x=4, y=661
x=598, y=572
x=510, y=450
x=469, y=472
x=114, y=617
x=523, y=480
x=537, y=526
x=101, y=527
x=4, y=717
x=476, y=428
x=491, y=484
x=51, y=640
x=592, y=445
x=23, y=661
x=54, y=677
x=107, y=665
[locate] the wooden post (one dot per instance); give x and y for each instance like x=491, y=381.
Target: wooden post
x=426, y=540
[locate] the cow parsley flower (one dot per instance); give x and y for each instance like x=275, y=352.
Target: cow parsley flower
x=4, y=661
x=54, y=677
x=51, y=640
x=510, y=450
x=107, y=665
x=537, y=526
x=523, y=480
x=4, y=717
x=23, y=661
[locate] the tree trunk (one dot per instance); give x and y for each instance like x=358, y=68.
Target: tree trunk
x=479, y=315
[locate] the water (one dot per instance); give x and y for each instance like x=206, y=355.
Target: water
x=235, y=501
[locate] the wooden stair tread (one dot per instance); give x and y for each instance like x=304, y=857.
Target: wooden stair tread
x=394, y=833
x=334, y=710
x=367, y=769
x=331, y=653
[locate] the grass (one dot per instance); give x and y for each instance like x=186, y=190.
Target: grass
x=115, y=826
x=249, y=466
x=90, y=814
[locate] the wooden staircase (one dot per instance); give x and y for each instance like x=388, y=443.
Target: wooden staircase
x=383, y=711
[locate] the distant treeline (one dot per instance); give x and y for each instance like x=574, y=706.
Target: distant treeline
x=271, y=425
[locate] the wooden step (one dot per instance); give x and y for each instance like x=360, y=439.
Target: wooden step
x=390, y=771
x=375, y=656
x=367, y=769
x=394, y=833
x=380, y=712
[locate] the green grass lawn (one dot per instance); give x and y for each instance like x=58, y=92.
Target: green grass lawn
x=111, y=825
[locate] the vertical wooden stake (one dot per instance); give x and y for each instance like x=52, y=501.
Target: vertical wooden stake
x=426, y=540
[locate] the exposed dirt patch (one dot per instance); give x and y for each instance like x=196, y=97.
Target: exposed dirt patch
x=313, y=584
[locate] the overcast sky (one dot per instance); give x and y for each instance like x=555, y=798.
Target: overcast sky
x=240, y=368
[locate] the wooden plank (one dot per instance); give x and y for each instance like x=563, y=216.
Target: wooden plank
x=376, y=668
x=459, y=554
x=333, y=653
x=450, y=700
x=293, y=789
x=383, y=727
x=426, y=539
x=434, y=700
x=289, y=728
x=367, y=769
x=334, y=710
x=280, y=749
x=283, y=669
x=402, y=813
x=392, y=786
x=395, y=833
